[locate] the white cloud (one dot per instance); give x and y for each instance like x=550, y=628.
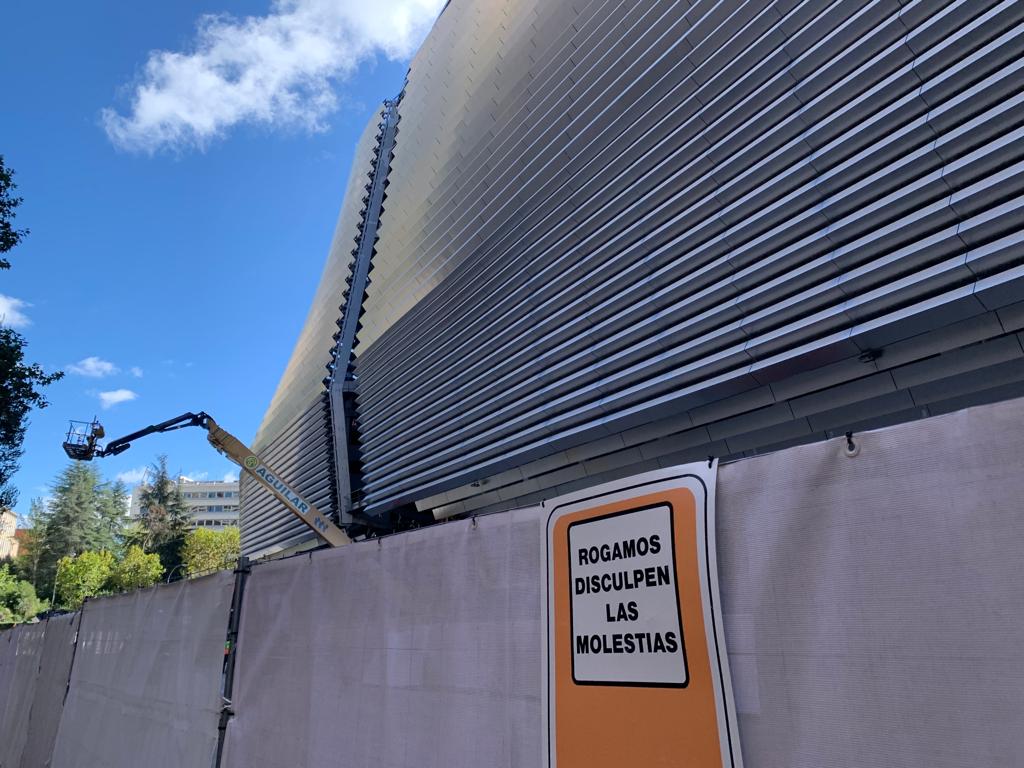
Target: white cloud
x=133, y=476
x=93, y=367
x=194, y=477
x=280, y=69
x=135, y=371
x=11, y=314
x=231, y=477
x=113, y=397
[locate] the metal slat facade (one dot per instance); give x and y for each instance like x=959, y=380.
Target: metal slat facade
x=302, y=453
x=295, y=437
x=713, y=222
x=619, y=236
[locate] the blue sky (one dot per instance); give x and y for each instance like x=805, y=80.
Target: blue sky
x=181, y=177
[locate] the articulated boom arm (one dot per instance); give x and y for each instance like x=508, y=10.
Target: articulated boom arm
x=122, y=444
x=83, y=446
x=239, y=453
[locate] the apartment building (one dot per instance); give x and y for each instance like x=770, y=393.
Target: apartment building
x=212, y=503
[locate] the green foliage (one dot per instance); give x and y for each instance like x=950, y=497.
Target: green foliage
x=18, y=600
x=9, y=236
x=84, y=513
x=26, y=564
x=111, y=515
x=207, y=550
x=82, y=576
x=135, y=570
x=92, y=574
x=164, y=516
x=134, y=534
x=20, y=382
x=20, y=391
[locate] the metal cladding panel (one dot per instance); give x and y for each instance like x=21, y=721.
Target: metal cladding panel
x=301, y=453
x=295, y=436
x=605, y=218
x=301, y=381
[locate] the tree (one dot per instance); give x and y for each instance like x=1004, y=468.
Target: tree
x=85, y=513
x=92, y=574
x=164, y=515
x=26, y=564
x=20, y=382
x=82, y=576
x=19, y=392
x=9, y=236
x=206, y=550
x=135, y=534
x=111, y=511
x=135, y=570
x=18, y=600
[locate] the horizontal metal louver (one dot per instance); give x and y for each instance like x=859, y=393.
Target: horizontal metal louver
x=295, y=436
x=667, y=227
x=301, y=453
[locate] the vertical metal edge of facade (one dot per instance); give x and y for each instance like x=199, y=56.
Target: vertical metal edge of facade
x=341, y=414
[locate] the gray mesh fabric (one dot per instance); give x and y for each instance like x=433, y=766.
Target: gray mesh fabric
x=5, y=666
x=873, y=605
x=50, y=687
x=872, y=614
x=145, y=684
x=18, y=680
x=423, y=650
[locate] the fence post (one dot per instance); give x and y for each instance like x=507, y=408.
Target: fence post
x=228, y=676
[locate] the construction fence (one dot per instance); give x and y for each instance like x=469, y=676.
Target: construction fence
x=872, y=606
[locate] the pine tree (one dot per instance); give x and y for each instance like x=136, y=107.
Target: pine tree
x=165, y=516
x=85, y=513
x=111, y=510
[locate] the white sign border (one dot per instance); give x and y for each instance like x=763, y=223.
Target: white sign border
x=701, y=479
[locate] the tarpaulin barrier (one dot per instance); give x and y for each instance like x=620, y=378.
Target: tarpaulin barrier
x=145, y=683
x=421, y=649
x=5, y=647
x=20, y=665
x=872, y=611
x=874, y=604
x=50, y=688
x=870, y=590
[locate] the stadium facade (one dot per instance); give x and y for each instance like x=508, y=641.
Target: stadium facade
x=594, y=238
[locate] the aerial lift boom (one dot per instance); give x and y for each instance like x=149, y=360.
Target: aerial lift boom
x=82, y=444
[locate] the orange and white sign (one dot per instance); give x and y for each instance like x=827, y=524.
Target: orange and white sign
x=637, y=672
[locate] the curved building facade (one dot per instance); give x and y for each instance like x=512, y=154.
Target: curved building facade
x=619, y=236
x=296, y=435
